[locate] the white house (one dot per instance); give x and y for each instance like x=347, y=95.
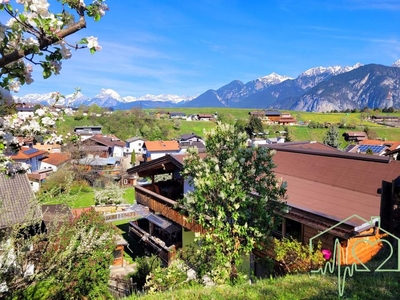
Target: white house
x=54, y=161
x=134, y=144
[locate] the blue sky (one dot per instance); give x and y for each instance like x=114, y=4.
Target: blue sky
x=186, y=47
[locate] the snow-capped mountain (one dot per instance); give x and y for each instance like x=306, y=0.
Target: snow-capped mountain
x=313, y=76
x=367, y=86
x=264, y=91
x=162, y=98
x=316, y=89
x=396, y=64
x=273, y=78
x=37, y=98
x=106, y=98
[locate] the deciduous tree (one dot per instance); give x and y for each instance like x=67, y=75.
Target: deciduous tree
x=237, y=198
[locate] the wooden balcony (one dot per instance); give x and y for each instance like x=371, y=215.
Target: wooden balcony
x=166, y=207
x=166, y=253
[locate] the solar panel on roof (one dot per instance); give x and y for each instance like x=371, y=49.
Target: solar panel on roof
x=156, y=220
x=31, y=151
x=374, y=148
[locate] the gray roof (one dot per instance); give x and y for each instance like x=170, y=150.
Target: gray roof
x=132, y=139
x=99, y=161
x=17, y=201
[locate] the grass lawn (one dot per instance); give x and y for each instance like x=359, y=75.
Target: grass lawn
x=86, y=199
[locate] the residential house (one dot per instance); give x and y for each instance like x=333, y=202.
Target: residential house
x=259, y=114
x=134, y=145
x=191, y=140
x=86, y=132
x=161, y=114
x=355, y=136
x=24, y=111
x=379, y=119
x=177, y=115
x=55, y=160
x=287, y=120
x=29, y=156
x=114, y=145
x=392, y=145
x=205, y=117
x=50, y=148
x=272, y=116
x=156, y=149
x=99, y=171
x=375, y=147
x=325, y=187
x=37, y=178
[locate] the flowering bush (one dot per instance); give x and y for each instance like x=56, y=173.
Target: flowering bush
x=36, y=36
x=14, y=128
x=297, y=257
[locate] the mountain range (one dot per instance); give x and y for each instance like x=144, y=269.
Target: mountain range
x=317, y=89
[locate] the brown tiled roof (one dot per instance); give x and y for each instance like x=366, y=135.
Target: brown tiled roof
x=109, y=141
x=17, y=201
x=356, y=133
x=205, y=116
x=161, y=146
x=27, y=153
x=57, y=159
x=303, y=145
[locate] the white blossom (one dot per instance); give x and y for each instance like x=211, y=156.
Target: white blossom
x=92, y=43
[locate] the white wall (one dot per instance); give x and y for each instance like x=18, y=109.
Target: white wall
x=118, y=151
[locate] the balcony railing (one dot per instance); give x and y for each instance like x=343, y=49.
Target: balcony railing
x=164, y=206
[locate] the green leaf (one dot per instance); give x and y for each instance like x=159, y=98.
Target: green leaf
x=83, y=41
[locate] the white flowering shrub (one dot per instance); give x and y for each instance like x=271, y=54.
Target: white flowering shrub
x=112, y=194
x=42, y=123
x=36, y=36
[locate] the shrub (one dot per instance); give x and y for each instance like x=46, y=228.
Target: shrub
x=297, y=257
x=163, y=279
x=144, y=266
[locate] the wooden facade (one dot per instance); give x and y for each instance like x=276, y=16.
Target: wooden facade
x=165, y=207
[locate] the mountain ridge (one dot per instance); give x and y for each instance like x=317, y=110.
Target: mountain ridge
x=316, y=89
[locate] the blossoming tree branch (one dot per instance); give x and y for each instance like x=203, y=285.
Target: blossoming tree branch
x=36, y=36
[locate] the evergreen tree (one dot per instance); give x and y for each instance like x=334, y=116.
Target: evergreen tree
x=331, y=137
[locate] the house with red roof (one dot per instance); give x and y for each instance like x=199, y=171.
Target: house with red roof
x=156, y=149
x=29, y=156
x=55, y=160
x=112, y=146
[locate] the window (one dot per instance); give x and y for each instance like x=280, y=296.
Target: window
x=293, y=229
